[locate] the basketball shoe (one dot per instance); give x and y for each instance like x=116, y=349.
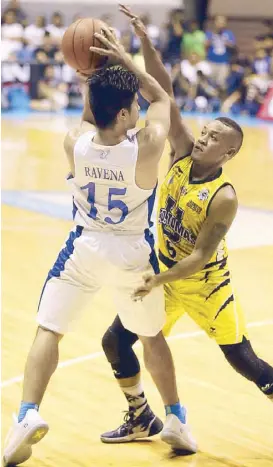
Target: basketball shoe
x=22, y=436
x=178, y=435
x=136, y=424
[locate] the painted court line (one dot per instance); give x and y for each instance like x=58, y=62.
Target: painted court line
x=93, y=356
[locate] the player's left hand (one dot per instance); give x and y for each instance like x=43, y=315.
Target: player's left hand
x=149, y=282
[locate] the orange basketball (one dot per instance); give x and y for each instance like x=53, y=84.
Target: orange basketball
x=77, y=40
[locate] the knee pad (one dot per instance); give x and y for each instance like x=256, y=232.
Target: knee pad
x=110, y=345
x=244, y=360
x=117, y=344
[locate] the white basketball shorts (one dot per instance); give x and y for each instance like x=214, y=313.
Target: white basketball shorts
x=90, y=260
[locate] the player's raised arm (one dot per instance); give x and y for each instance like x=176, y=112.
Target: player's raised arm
x=221, y=214
x=154, y=135
x=180, y=136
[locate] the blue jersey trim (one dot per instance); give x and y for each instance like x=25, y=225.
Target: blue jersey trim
x=148, y=234
x=65, y=253
x=63, y=256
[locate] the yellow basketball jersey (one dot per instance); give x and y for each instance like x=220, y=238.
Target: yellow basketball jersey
x=183, y=208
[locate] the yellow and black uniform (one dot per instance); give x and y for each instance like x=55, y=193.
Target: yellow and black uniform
x=207, y=296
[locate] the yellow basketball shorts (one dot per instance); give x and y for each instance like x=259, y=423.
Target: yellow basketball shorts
x=212, y=304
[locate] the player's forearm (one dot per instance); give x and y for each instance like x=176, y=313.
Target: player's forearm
x=151, y=87
x=183, y=269
x=154, y=65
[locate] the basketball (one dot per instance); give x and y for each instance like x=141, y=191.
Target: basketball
x=77, y=40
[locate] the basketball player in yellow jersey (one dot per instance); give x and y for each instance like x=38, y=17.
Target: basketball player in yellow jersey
x=197, y=205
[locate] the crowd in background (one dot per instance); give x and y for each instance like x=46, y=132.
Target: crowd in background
x=208, y=71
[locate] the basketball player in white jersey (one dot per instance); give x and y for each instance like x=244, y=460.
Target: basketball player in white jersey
x=113, y=180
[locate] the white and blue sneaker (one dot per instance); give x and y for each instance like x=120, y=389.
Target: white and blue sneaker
x=22, y=436
x=135, y=426
x=178, y=435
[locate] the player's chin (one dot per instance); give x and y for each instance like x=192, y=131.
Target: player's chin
x=197, y=154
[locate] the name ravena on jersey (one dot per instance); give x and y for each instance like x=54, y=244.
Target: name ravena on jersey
x=104, y=174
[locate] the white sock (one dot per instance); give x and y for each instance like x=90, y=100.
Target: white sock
x=135, y=396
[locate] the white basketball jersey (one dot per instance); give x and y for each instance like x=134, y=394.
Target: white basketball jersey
x=105, y=194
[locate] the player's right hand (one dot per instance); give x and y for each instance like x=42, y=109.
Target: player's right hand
x=136, y=22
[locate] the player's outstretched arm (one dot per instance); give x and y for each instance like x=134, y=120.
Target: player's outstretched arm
x=222, y=212
x=180, y=136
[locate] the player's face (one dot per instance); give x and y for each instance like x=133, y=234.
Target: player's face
x=215, y=146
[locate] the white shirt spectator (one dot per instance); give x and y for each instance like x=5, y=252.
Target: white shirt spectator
x=11, y=32
x=34, y=35
x=189, y=70
x=56, y=33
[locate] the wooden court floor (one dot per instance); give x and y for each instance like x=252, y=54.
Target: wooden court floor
x=232, y=421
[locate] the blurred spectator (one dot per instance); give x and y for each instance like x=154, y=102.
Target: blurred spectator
x=235, y=77
x=25, y=54
x=56, y=29
x=190, y=67
x=261, y=63
x=220, y=46
x=34, y=33
x=265, y=40
x=52, y=92
x=15, y=7
x=194, y=40
x=47, y=50
x=175, y=31
x=12, y=32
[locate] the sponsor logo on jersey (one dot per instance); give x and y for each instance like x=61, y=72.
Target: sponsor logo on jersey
x=104, y=174
x=183, y=191
x=203, y=194
x=104, y=154
x=194, y=207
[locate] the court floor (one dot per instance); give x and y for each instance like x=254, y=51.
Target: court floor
x=232, y=421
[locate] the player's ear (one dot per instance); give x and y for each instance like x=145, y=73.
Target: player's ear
x=123, y=114
x=231, y=153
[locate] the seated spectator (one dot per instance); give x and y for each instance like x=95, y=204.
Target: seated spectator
x=261, y=63
x=235, y=77
x=56, y=29
x=12, y=32
x=194, y=41
x=265, y=41
x=34, y=33
x=25, y=54
x=52, y=92
x=220, y=47
x=190, y=67
x=175, y=31
x=47, y=50
x=15, y=7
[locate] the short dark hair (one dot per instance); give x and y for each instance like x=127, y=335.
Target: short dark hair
x=110, y=90
x=232, y=124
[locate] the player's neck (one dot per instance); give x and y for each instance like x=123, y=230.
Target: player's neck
x=109, y=137
x=199, y=172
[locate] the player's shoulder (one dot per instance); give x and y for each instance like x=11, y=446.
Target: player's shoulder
x=151, y=134
x=183, y=162
x=224, y=200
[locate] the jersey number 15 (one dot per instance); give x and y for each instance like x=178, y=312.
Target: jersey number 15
x=112, y=203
